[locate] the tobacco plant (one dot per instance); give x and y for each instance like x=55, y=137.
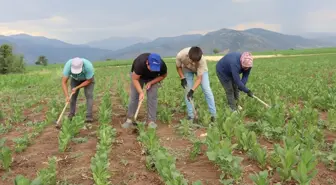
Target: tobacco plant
x=5, y=155
x=259, y=154
x=260, y=178
x=246, y=139
x=220, y=151
x=289, y=156
x=306, y=169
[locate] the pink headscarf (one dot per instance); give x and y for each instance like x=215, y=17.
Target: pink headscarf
x=246, y=59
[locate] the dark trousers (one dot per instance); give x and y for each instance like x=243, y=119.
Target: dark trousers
x=88, y=90
x=231, y=90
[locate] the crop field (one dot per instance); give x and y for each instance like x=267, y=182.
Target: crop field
x=292, y=142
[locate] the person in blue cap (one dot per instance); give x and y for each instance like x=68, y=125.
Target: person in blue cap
x=149, y=69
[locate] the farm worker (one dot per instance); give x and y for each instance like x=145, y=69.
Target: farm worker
x=149, y=69
x=228, y=71
x=81, y=72
x=189, y=62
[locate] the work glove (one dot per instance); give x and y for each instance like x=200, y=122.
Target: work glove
x=190, y=94
x=250, y=94
x=184, y=83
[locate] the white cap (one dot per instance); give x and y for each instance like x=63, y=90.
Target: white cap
x=76, y=65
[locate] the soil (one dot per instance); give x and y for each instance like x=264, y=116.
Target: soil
x=73, y=165
x=198, y=169
x=19, y=129
x=128, y=165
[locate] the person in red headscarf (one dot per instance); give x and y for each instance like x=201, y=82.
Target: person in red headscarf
x=228, y=71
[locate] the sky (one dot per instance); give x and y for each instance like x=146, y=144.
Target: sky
x=81, y=21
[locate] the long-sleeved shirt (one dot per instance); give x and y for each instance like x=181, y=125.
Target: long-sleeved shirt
x=229, y=68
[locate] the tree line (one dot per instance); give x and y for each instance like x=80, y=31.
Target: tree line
x=14, y=63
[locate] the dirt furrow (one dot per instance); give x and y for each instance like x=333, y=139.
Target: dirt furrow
x=73, y=165
x=198, y=169
x=127, y=163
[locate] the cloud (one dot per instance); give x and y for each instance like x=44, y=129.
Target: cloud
x=39, y=27
x=7, y=31
x=57, y=20
x=244, y=26
x=93, y=21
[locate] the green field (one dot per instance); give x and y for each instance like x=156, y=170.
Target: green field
x=292, y=142
x=314, y=51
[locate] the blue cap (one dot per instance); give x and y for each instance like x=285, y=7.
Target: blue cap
x=154, y=61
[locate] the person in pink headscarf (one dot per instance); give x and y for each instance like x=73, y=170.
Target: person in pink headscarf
x=228, y=70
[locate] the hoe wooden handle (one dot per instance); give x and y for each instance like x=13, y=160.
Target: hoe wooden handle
x=261, y=101
x=66, y=105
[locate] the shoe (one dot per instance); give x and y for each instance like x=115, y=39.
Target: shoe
x=212, y=119
x=190, y=119
x=128, y=123
x=89, y=120
x=70, y=116
x=152, y=125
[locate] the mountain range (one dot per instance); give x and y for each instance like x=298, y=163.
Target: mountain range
x=255, y=39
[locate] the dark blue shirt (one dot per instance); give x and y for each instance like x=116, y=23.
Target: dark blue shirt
x=229, y=68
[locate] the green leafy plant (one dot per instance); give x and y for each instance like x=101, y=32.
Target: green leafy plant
x=5, y=155
x=288, y=158
x=260, y=178
x=306, y=169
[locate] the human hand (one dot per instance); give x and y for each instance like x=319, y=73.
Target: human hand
x=73, y=90
x=250, y=94
x=190, y=94
x=141, y=96
x=67, y=99
x=184, y=82
x=148, y=85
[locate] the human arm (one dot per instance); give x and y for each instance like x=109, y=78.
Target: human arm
x=245, y=76
x=66, y=74
x=64, y=86
x=179, y=65
x=157, y=79
x=136, y=83
x=201, y=68
x=83, y=84
x=196, y=84
x=179, y=71
x=236, y=78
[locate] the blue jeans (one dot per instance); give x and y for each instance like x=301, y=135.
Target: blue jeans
x=205, y=85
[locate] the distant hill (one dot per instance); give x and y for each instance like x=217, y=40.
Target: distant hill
x=224, y=39
x=114, y=43
x=323, y=36
x=55, y=50
x=165, y=46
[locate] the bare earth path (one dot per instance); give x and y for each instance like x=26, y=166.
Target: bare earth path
x=73, y=165
x=128, y=165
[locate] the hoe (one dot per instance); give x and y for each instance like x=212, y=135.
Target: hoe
x=58, y=126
